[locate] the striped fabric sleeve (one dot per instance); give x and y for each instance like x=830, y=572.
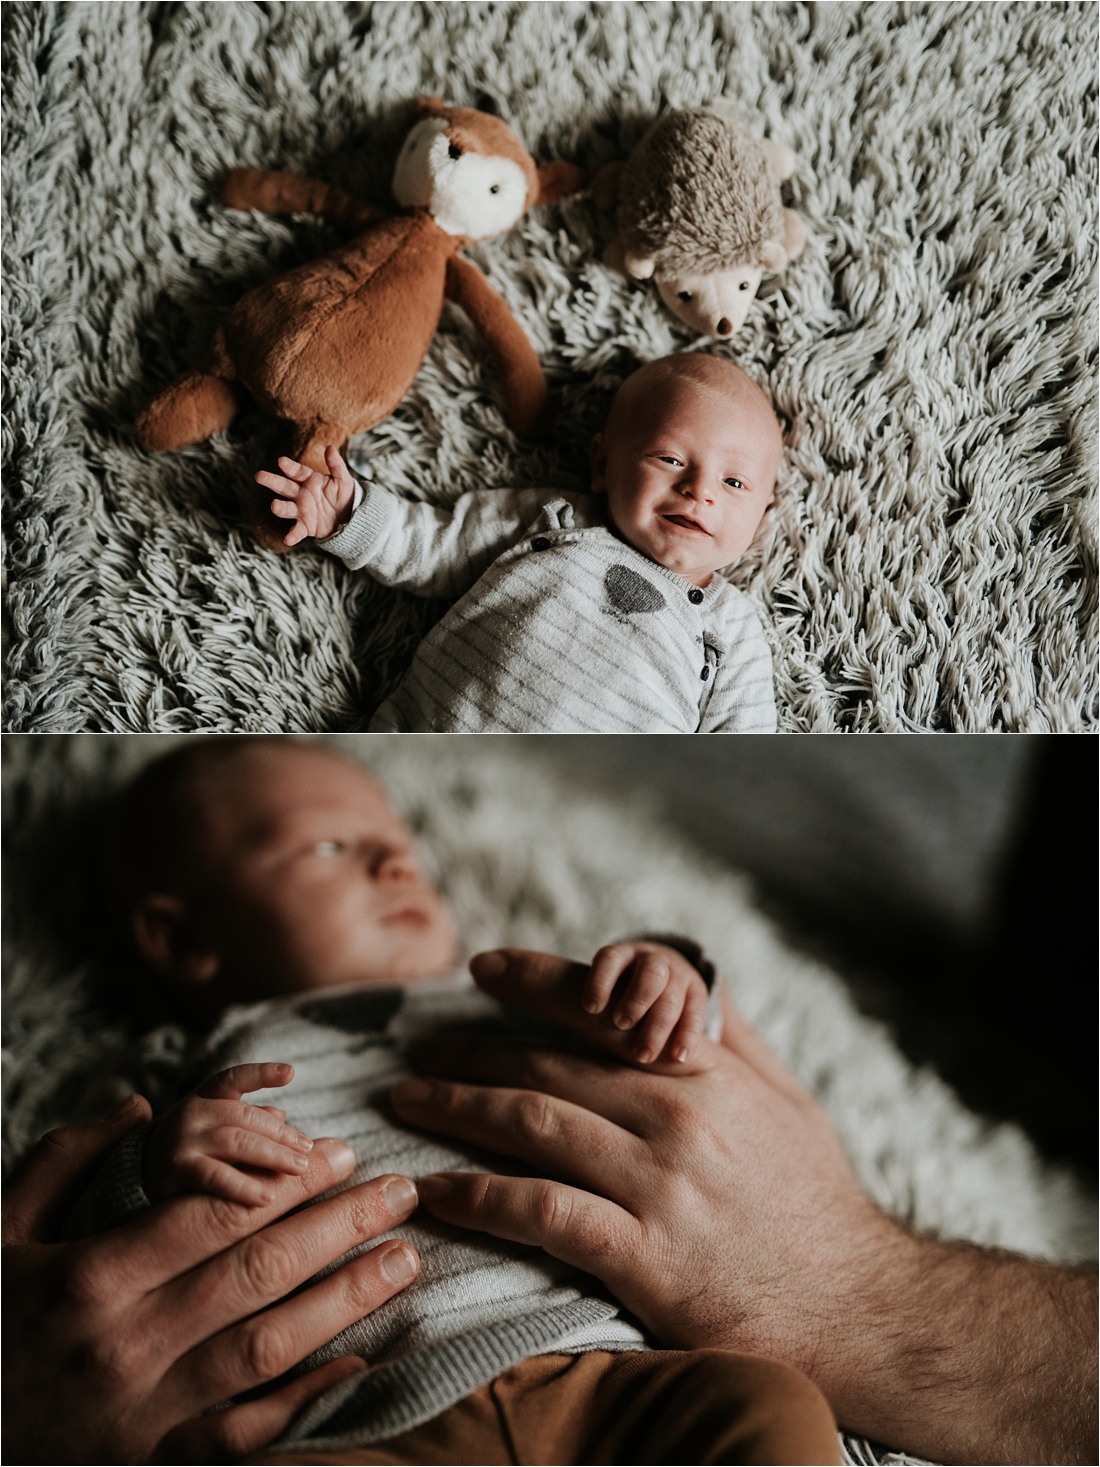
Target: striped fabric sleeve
x=428, y=549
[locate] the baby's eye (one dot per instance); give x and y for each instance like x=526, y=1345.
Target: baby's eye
x=684, y=295
x=668, y=458
x=735, y=483
x=329, y=847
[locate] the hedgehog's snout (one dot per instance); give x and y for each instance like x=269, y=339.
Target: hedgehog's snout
x=725, y=326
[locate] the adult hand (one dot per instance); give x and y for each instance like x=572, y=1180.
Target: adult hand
x=715, y=1201
x=115, y=1345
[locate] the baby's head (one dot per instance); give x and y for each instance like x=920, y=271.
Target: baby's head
x=688, y=459
x=249, y=867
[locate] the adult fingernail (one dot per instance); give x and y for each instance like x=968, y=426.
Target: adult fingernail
x=489, y=965
x=400, y=1194
x=399, y=1264
x=412, y=1092
x=435, y=1189
x=119, y=1111
x=339, y=1154
x=296, y=1138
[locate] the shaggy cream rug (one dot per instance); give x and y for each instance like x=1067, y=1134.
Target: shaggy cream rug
x=525, y=860
x=930, y=562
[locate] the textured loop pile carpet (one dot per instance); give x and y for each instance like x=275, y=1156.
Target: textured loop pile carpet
x=930, y=562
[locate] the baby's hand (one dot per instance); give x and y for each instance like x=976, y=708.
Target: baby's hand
x=652, y=982
x=318, y=503
x=213, y=1142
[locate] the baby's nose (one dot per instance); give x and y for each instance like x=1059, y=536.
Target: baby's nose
x=725, y=326
x=396, y=866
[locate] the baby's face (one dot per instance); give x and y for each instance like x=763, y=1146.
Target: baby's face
x=689, y=471
x=306, y=878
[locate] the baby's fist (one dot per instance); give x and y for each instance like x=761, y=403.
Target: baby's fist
x=652, y=985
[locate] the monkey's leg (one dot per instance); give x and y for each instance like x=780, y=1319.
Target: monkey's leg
x=311, y=439
x=195, y=405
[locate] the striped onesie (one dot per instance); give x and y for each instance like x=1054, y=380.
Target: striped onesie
x=560, y=626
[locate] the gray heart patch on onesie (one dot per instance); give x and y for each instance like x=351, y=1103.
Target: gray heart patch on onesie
x=628, y=591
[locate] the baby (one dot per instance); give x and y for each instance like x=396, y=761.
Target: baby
x=581, y=613
x=270, y=886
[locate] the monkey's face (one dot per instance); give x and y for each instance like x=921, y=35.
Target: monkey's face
x=715, y=304
x=467, y=192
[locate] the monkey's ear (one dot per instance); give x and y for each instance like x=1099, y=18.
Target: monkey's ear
x=430, y=107
x=558, y=179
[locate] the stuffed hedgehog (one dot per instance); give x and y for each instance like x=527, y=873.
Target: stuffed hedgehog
x=332, y=347
x=699, y=213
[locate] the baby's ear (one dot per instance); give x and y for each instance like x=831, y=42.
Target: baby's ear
x=556, y=180
x=160, y=929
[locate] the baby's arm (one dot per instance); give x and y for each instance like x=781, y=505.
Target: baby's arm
x=652, y=985
x=215, y=1143
x=423, y=548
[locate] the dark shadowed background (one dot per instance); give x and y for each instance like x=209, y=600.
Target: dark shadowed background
x=952, y=882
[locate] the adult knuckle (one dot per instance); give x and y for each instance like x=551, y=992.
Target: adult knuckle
x=85, y=1282
x=265, y=1351
x=267, y=1269
x=535, y=1117
x=674, y=1114
x=227, y=1220
x=553, y=1208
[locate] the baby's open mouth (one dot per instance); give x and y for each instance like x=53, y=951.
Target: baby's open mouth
x=685, y=522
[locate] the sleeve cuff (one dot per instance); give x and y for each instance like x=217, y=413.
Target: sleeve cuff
x=353, y=541
x=118, y=1193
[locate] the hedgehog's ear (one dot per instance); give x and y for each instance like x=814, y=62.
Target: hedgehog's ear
x=639, y=267
x=558, y=179
x=773, y=256
x=430, y=107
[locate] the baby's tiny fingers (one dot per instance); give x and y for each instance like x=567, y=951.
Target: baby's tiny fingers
x=217, y=1179
x=286, y=487
x=293, y=469
x=241, y=1147
x=648, y=980
x=239, y=1080
x=607, y=966
x=659, y=1024
x=296, y=533
x=284, y=509
x=685, y=1037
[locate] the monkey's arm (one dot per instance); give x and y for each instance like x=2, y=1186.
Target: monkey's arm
x=290, y=193
x=526, y=396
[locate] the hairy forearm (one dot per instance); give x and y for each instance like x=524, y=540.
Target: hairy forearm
x=962, y=1354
